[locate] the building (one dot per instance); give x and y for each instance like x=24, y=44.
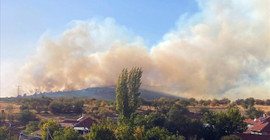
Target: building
x=259, y=126
x=258, y=129
x=82, y=125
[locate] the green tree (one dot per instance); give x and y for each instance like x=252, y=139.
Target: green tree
x=4, y=133
x=157, y=133
x=139, y=133
x=125, y=132
x=48, y=128
x=67, y=133
x=31, y=127
x=252, y=112
x=25, y=116
x=103, y=131
x=249, y=102
x=155, y=119
x=127, y=93
x=221, y=124
x=177, y=119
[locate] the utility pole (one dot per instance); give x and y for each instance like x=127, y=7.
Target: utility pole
x=18, y=91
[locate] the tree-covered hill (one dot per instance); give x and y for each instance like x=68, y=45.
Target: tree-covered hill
x=102, y=93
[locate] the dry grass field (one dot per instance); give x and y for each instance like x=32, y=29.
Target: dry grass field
x=264, y=108
x=16, y=107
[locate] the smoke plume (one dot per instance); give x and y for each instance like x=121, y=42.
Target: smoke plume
x=222, y=51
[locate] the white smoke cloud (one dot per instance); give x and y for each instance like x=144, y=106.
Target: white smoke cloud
x=223, y=51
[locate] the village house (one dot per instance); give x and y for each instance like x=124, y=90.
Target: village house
x=82, y=125
x=258, y=129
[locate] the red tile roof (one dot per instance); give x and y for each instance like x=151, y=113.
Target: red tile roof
x=86, y=122
x=261, y=124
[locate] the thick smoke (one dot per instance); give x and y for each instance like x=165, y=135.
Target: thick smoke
x=223, y=51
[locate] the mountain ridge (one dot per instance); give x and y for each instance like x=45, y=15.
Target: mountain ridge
x=102, y=93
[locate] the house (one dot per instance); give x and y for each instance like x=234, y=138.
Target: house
x=82, y=125
x=258, y=129
x=259, y=126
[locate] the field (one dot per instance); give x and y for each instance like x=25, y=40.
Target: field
x=16, y=107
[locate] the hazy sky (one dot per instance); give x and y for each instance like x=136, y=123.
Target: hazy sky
x=200, y=48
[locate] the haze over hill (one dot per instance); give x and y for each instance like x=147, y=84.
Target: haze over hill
x=221, y=51
x=103, y=93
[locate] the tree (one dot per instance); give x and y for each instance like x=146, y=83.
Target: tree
x=178, y=122
x=4, y=133
x=239, y=101
x=203, y=110
x=249, y=102
x=25, y=116
x=259, y=102
x=48, y=128
x=224, y=101
x=252, y=113
x=267, y=102
x=125, y=132
x=157, y=133
x=102, y=131
x=31, y=127
x=139, y=133
x=55, y=107
x=221, y=124
x=155, y=119
x=68, y=133
x=127, y=93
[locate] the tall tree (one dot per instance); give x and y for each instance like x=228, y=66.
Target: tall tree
x=127, y=92
x=122, y=94
x=134, y=83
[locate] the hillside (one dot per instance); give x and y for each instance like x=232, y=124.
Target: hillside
x=103, y=93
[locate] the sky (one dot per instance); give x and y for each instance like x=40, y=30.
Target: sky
x=24, y=22
x=202, y=48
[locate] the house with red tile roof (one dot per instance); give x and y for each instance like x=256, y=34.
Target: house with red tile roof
x=82, y=124
x=259, y=126
x=258, y=129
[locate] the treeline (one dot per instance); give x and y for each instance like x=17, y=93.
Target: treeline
x=245, y=103
x=45, y=104
x=67, y=105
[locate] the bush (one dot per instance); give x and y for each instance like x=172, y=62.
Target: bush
x=25, y=116
x=4, y=133
x=31, y=127
x=230, y=137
